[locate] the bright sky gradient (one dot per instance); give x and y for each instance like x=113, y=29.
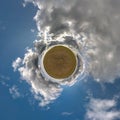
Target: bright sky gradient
x=85, y=100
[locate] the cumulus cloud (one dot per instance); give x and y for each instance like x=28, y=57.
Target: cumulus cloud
x=43, y=90
x=102, y=109
x=90, y=26
x=14, y=91
x=99, y=20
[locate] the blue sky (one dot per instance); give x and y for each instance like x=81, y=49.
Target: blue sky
x=18, y=30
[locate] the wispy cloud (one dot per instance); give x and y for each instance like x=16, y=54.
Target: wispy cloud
x=67, y=113
x=32, y=30
x=102, y=109
x=4, y=79
x=16, y=63
x=2, y=26
x=14, y=92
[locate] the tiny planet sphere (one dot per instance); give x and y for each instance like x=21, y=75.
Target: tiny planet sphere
x=59, y=62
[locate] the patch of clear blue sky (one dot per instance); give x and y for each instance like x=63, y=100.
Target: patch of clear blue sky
x=15, y=36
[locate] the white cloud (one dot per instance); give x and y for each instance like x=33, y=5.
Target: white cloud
x=102, y=109
x=92, y=24
x=44, y=88
x=16, y=63
x=44, y=91
x=14, y=91
x=99, y=20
